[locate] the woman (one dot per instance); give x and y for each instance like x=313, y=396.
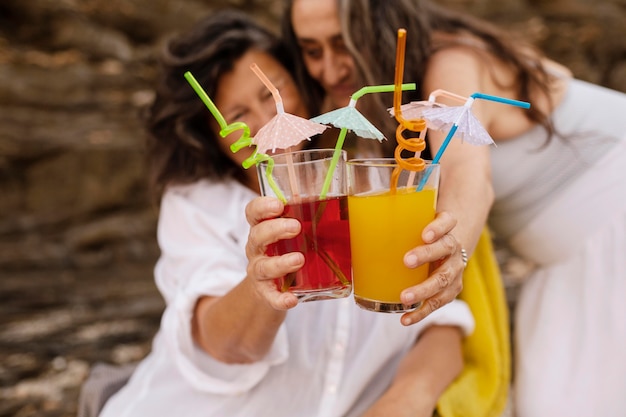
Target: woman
x=557, y=174
x=230, y=344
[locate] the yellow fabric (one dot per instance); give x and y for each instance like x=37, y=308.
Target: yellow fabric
x=481, y=390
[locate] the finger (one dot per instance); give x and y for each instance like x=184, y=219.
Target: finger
x=441, y=225
x=279, y=300
x=271, y=267
x=444, y=247
x=264, y=270
x=446, y=279
x=263, y=208
x=270, y=231
x=428, y=306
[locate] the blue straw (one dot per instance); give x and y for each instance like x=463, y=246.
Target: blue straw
x=502, y=100
x=455, y=126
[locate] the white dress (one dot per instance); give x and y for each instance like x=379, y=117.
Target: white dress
x=563, y=207
x=330, y=358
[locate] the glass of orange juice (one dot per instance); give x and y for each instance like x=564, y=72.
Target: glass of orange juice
x=384, y=224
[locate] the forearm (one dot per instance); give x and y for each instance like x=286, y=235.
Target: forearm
x=239, y=327
x=423, y=374
x=467, y=194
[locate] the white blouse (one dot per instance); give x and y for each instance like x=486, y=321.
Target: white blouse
x=329, y=358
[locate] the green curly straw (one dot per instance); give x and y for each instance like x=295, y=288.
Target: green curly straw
x=245, y=139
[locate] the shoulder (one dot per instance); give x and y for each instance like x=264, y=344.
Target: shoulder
x=460, y=69
x=208, y=196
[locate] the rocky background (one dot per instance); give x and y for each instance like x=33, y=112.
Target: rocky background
x=77, y=228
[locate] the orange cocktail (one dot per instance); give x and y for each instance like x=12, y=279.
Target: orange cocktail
x=384, y=226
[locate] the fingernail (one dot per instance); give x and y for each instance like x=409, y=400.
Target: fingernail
x=429, y=236
x=410, y=260
x=276, y=206
x=294, y=259
x=292, y=225
x=408, y=298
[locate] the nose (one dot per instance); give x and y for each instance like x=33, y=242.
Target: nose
x=261, y=114
x=334, y=68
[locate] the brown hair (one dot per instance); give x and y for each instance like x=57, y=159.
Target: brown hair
x=182, y=147
x=373, y=25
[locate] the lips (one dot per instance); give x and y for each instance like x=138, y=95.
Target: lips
x=341, y=94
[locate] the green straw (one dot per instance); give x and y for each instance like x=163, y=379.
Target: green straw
x=242, y=142
x=342, y=133
x=226, y=129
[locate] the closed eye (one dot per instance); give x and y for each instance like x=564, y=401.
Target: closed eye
x=236, y=115
x=311, y=50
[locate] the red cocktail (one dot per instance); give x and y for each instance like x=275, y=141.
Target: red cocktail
x=325, y=243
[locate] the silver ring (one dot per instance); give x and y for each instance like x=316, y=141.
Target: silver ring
x=464, y=257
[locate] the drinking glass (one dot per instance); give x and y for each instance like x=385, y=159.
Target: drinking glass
x=385, y=224
x=325, y=238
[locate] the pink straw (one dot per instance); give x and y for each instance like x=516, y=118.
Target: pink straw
x=277, y=98
x=295, y=190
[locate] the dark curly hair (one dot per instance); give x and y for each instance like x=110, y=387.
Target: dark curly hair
x=182, y=147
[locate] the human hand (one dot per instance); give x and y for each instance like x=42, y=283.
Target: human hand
x=266, y=227
x=445, y=281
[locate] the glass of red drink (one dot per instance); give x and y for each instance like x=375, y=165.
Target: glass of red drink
x=325, y=237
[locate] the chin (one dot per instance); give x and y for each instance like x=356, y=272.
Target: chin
x=340, y=101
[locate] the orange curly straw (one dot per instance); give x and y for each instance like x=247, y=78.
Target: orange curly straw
x=416, y=145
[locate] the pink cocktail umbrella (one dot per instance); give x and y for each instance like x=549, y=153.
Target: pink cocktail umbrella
x=469, y=129
x=283, y=131
x=459, y=120
x=415, y=110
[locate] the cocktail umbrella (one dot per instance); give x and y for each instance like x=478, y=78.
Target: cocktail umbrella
x=459, y=120
x=281, y=132
x=415, y=110
x=349, y=118
x=285, y=130
x=466, y=126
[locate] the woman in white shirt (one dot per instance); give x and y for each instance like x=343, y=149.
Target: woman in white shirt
x=230, y=344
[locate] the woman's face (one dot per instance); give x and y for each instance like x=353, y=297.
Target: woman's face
x=242, y=97
x=318, y=31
